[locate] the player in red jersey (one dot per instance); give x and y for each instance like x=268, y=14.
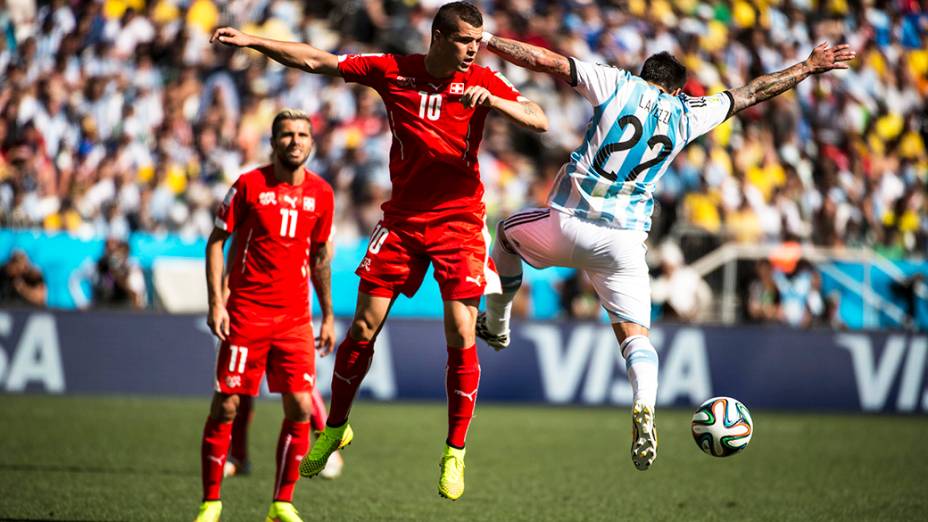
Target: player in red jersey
x=437, y=104
x=237, y=462
x=282, y=217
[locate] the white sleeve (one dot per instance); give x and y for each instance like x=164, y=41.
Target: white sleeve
x=596, y=82
x=705, y=113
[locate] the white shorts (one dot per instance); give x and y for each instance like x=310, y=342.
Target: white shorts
x=612, y=259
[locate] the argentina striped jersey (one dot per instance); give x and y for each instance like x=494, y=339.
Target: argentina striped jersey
x=636, y=131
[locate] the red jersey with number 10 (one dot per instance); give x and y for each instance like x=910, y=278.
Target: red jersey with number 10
x=433, y=159
x=275, y=224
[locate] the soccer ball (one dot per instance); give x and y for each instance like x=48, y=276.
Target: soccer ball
x=722, y=426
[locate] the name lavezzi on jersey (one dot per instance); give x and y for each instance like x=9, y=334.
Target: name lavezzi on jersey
x=635, y=132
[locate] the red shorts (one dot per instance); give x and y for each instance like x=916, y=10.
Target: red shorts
x=259, y=340
x=457, y=245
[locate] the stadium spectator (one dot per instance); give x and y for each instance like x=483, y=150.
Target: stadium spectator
x=821, y=308
x=763, y=296
x=684, y=294
x=118, y=281
x=801, y=300
x=909, y=292
x=21, y=283
x=841, y=162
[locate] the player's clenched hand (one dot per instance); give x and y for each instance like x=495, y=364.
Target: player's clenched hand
x=230, y=36
x=824, y=58
x=325, y=343
x=218, y=321
x=475, y=96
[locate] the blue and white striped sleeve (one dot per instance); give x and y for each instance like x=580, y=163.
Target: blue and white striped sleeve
x=596, y=82
x=705, y=113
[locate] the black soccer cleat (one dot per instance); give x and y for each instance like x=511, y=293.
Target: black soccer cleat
x=497, y=342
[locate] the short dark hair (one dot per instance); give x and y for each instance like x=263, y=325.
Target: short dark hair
x=446, y=19
x=664, y=70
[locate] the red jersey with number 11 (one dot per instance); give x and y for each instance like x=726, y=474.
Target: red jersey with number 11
x=433, y=159
x=276, y=224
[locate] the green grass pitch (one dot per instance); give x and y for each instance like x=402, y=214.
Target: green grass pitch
x=136, y=459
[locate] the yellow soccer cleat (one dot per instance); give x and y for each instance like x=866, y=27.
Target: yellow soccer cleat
x=644, y=436
x=282, y=512
x=451, y=481
x=329, y=441
x=209, y=511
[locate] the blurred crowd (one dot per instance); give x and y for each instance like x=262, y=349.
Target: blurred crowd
x=119, y=116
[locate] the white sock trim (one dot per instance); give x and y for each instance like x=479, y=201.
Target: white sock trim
x=628, y=341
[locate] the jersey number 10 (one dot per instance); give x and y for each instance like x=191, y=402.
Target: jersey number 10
x=429, y=105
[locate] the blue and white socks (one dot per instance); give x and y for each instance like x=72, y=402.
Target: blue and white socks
x=641, y=363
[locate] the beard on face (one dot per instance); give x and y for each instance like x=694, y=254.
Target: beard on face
x=286, y=161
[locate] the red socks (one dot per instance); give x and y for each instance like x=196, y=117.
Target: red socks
x=318, y=417
x=216, y=437
x=246, y=413
x=462, y=378
x=291, y=448
x=352, y=360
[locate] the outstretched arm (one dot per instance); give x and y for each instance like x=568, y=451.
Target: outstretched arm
x=531, y=57
x=822, y=59
x=292, y=54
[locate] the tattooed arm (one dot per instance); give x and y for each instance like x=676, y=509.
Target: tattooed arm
x=523, y=112
x=526, y=113
x=531, y=57
x=321, y=275
x=822, y=59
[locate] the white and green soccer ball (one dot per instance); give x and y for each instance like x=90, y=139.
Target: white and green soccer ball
x=722, y=426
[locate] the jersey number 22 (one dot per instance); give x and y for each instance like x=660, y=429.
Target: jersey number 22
x=602, y=157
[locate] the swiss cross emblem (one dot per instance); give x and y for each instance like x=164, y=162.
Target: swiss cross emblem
x=457, y=88
x=309, y=204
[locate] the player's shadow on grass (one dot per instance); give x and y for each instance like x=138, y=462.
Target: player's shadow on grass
x=95, y=470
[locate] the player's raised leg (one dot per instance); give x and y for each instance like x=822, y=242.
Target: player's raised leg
x=462, y=380
x=352, y=360
x=291, y=448
x=535, y=236
x=217, y=434
x=641, y=363
x=493, y=325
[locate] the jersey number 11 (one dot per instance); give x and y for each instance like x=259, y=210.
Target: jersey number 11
x=288, y=217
